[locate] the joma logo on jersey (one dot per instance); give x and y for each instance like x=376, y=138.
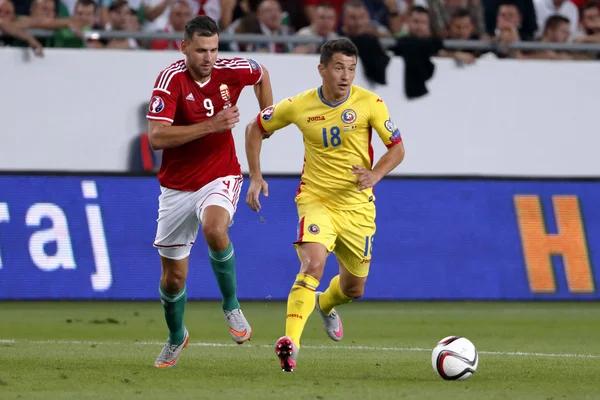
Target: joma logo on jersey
x=313, y=119
x=365, y=261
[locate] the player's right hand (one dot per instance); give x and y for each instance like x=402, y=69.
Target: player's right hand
x=252, y=198
x=226, y=119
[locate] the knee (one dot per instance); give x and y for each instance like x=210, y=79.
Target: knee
x=216, y=236
x=173, y=281
x=313, y=267
x=353, y=291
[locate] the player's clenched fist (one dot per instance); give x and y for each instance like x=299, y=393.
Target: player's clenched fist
x=226, y=119
x=256, y=185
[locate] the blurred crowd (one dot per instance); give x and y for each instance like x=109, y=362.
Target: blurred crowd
x=505, y=21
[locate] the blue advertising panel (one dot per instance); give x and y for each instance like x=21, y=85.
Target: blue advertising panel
x=90, y=237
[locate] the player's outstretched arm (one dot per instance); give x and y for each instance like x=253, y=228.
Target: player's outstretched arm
x=254, y=138
x=163, y=135
x=390, y=160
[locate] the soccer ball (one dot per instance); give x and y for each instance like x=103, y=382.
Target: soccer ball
x=454, y=358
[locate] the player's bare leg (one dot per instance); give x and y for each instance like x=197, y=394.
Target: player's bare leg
x=342, y=289
x=301, y=302
x=173, y=298
x=215, y=226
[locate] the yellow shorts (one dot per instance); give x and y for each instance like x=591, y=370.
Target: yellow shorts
x=346, y=233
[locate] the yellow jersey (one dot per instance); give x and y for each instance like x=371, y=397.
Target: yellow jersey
x=336, y=137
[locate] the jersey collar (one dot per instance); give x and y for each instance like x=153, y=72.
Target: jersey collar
x=332, y=105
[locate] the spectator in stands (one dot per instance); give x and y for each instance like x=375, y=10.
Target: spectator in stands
x=241, y=9
x=7, y=11
x=310, y=8
x=85, y=13
x=180, y=15
x=441, y=12
x=13, y=30
x=507, y=31
x=323, y=26
x=419, y=23
x=296, y=17
x=389, y=13
x=43, y=9
x=42, y=16
x=153, y=15
x=590, y=24
x=120, y=19
x=356, y=21
x=544, y=9
x=132, y=21
x=515, y=12
x=556, y=30
x=267, y=21
x=461, y=28
x=157, y=16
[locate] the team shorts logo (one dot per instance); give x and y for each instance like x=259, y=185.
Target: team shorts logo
x=157, y=104
x=267, y=113
x=348, y=116
x=390, y=126
x=314, y=229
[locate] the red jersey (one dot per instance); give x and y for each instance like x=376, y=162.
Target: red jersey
x=177, y=98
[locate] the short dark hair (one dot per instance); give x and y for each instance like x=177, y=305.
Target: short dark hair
x=354, y=4
x=510, y=3
x=461, y=13
x=331, y=47
x=86, y=3
x=589, y=6
x=325, y=4
x=554, y=21
x=117, y=5
x=201, y=25
x=419, y=10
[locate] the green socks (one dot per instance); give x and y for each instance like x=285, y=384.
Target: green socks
x=174, y=305
x=223, y=265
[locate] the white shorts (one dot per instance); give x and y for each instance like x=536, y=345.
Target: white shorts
x=180, y=213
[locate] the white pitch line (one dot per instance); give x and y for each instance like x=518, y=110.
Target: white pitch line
x=367, y=348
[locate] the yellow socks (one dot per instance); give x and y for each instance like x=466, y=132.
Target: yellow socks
x=333, y=296
x=301, y=303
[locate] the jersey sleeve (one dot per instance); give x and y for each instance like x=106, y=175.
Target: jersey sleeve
x=164, y=96
x=251, y=74
x=380, y=120
x=278, y=116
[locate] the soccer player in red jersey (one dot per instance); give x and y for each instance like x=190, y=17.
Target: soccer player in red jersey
x=191, y=114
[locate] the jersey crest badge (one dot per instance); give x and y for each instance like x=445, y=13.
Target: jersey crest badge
x=314, y=229
x=267, y=113
x=224, y=89
x=348, y=116
x=157, y=104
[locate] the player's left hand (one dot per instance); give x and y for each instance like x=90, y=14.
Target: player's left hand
x=366, y=177
x=252, y=198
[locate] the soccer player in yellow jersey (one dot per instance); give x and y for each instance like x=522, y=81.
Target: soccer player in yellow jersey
x=335, y=199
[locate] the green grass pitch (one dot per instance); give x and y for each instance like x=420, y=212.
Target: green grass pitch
x=106, y=350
